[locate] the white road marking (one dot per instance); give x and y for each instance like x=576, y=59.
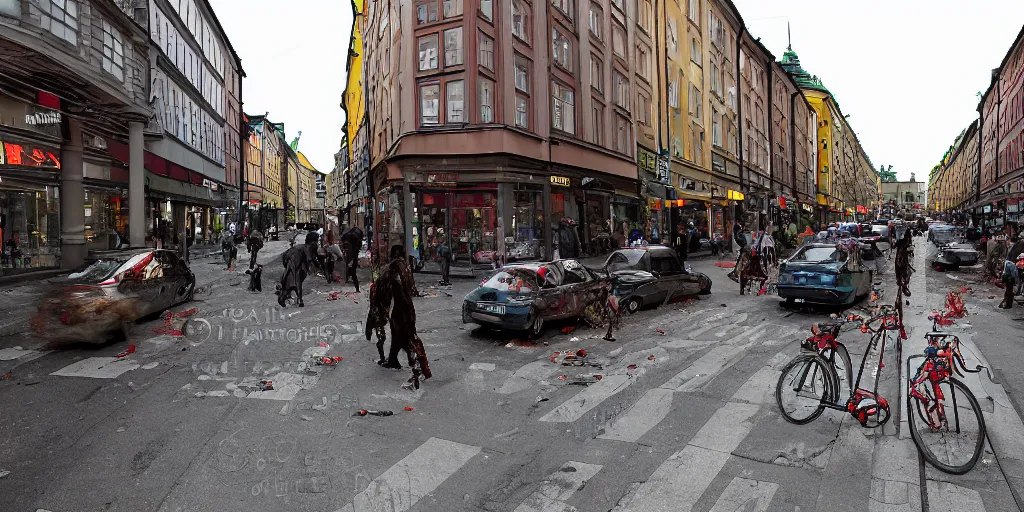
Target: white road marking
x=760, y=388
x=559, y=487
x=741, y=493
x=8, y=354
x=644, y=415
x=413, y=477
x=484, y=367
x=527, y=376
x=97, y=368
x=681, y=480
x=613, y=382
x=707, y=367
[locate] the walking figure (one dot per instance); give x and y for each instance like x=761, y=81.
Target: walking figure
x=395, y=284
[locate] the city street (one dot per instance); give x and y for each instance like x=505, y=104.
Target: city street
x=684, y=420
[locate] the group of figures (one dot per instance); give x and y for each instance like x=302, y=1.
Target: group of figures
x=757, y=267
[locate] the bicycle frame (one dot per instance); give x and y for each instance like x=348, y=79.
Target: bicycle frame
x=945, y=362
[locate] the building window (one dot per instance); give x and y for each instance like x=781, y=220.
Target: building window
x=561, y=49
x=486, y=51
x=453, y=47
x=621, y=90
x=673, y=37
x=452, y=8
x=113, y=52
x=673, y=94
x=643, y=105
x=695, y=54
x=486, y=100
x=428, y=52
x=564, y=6
x=644, y=15
x=596, y=19
x=597, y=123
x=522, y=74
x=621, y=4
x=596, y=74
x=643, y=62
x=618, y=41
x=694, y=11
x=61, y=17
x=520, y=20
x=426, y=12
x=716, y=80
x=487, y=10
x=698, y=146
x=455, y=101
x=430, y=104
x=696, y=101
x=563, y=108
x=716, y=128
x=522, y=112
x=623, y=141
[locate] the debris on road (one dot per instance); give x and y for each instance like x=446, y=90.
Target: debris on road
x=4, y=473
x=6, y=375
x=174, y=323
x=121, y=429
x=660, y=331
x=328, y=360
x=631, y=367
x=650, y=357
x=563, y=377
x=542, y=399
x=408, y=408
x=126, y=353
x=520, y=344
x=306, y=418
x=364, y=412
x=266, y=385
x=568, y=329
x=333, y=296
x=584, y=380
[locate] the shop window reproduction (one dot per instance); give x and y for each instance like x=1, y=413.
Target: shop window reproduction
x=453, y=47
x=426, y=12
x=486, y=49
x=60, y=17
x=561, y=49
x=522, y=74
x=487, y=9
x=452, y=8
x=522, y=112
x=563, y=108
x=520, y=20
x=430, y=104
x=113, y=52
x=455, y=101
x=486, y=100
x=428, y=52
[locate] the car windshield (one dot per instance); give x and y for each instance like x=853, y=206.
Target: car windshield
x=819, y=255
x=517, y=280
x=98, y=270
x=943, y=235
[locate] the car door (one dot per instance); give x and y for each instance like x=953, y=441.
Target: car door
x=673, y=279
x=552, y=292
x=177, y=277
x=574, y=285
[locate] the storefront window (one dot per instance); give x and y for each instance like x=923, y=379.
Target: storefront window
x=29, y=227
x=106, y=219
x=524, y=224
x=473, y=225
x=626, y=211
x=433, y=224
x=598, y=225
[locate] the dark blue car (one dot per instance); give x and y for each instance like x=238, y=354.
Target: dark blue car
x=525, y=296
x=825, y=273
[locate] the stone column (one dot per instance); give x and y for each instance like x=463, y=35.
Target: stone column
x=72, y=199
x=136, y=186
x=546, y=201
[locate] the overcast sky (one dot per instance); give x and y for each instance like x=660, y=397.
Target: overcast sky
x=905, y=71
x=294, y=57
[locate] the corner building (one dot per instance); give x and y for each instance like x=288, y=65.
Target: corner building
x=494, y=120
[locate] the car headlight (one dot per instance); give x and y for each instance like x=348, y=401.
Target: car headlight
x=785, y=278
x=827, y=279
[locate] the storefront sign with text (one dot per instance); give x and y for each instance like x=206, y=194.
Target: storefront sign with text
x=561, y=181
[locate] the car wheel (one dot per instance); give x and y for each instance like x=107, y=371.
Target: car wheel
x=537, y=327
x=633, y=305
x=705, y=287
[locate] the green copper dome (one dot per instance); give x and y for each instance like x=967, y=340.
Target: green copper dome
x=791, y=63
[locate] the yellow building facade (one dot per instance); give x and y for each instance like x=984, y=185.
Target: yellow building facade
x=354, y=98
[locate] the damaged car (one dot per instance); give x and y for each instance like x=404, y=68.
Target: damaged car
x=525, y=296
x=949, y=251
x=825, y=273
x=652, y=275
x=110, y=292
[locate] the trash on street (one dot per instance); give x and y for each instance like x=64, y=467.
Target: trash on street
x=364, y=412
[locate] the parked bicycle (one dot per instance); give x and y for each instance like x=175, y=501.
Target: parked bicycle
x=950, y=438
x=811, y=382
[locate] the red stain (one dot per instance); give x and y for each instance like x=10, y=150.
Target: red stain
x=408, y=408
x=131, y=350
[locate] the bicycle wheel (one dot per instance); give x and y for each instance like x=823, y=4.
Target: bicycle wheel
x=843, y=368
x=807, y=383
x=950, y=434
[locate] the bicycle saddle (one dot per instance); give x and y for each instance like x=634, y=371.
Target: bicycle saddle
x=938, y=334
x=826, y=328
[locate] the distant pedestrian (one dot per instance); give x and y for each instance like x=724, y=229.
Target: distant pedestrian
x=254, y=243
x=1020, y=274
x=297, y=263
x=227, y=249
x=333, y=254
x=352, y=239
x=396, y=284
x=568, y=239
x=444, y=254
x=681, y=242
x=1009, y=278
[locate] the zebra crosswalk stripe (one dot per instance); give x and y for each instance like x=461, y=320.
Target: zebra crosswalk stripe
x=410, y=479
x=559, y=487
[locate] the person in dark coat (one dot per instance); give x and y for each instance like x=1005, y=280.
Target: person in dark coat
x=297, y=262
x=396, y=285
x=681, y=242
x=444, y=254
x=352, y=240
x=254, y=243
x=568, y=239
